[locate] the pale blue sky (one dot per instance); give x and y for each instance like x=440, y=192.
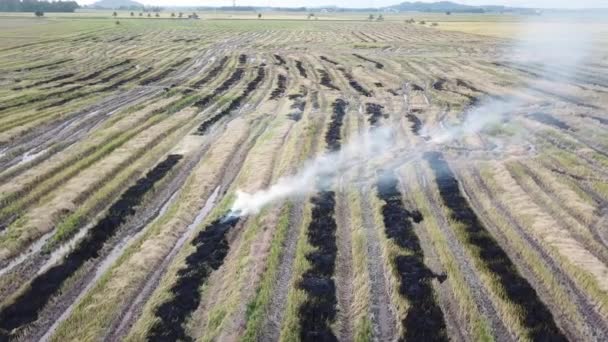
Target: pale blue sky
x=374, y=3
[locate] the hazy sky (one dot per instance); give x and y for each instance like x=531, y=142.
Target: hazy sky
x=373, y=3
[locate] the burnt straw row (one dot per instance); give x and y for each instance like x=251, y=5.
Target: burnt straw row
x=550, y=120
x=46, y=65
x=25, y=308
x=535, y=315
x=354, y=84
x=279, y=91
x=234, y=104
x=424, y=320
x=329, y=60
x=73, y=94
x=211, y=74
x=374, y=111
x=318, y=311
x=298, y=104
x=377, y=64
x=49, y=80
x=211, y=247
x=172, y=68
x=326, y=80
x=280, y=60
x=227, y=84
x=301, y=69
x=416, y=123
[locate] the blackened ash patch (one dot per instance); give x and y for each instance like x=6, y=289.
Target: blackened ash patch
x=329, y=60
x=376, y=63
x=157, y=77
x=318, y=312
x=211, y=247
x=46, y=65
x=379, y=84
x=548, y=119
x=242, y=59
x=50, y=80
x=469, y=86
x=172, y=68
x=301, y=69
x=279, y=91
x=416, y=87
x=424, y=320
x=536, y=317
x=333, y=136
x=298, y=104
x=326, y=80
x=234, y=104
x=354, y=84
x=232, y=80
x=439, y=84
x=212, y=74
x=280, y=60
x=374, y=111
x=416, y=123
x=25, y=308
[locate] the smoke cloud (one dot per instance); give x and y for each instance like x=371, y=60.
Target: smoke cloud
x=317, y=172
x=547, y=46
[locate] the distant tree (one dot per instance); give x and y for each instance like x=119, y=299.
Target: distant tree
x=180, y=14
x=434, y=24
x=117, y=22
x=157, y=15
x=34, y=5
x=448, y=13
x=310, y=15
x=259, y=15
x=132, y=14
x=141, y=14
x=149, y=15
x=172, y=15
x=114, y=14
x=193, y=15
x=380, y=17
x=422, y=22
x=39, y=14
x=370, y=17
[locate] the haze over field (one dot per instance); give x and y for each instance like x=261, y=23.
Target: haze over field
x=566, y=4
x=303, y=175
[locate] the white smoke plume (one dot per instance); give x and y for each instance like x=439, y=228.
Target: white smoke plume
x=554, y=45
x=358, y=151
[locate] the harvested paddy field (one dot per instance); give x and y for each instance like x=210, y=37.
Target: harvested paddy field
x=314, y=180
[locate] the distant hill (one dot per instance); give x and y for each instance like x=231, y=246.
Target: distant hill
x=117, y=4
x=448, y=6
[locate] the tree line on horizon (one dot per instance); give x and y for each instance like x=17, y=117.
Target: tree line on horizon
x=37, y=6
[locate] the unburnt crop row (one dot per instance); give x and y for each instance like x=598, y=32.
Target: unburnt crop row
x=24, y=309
